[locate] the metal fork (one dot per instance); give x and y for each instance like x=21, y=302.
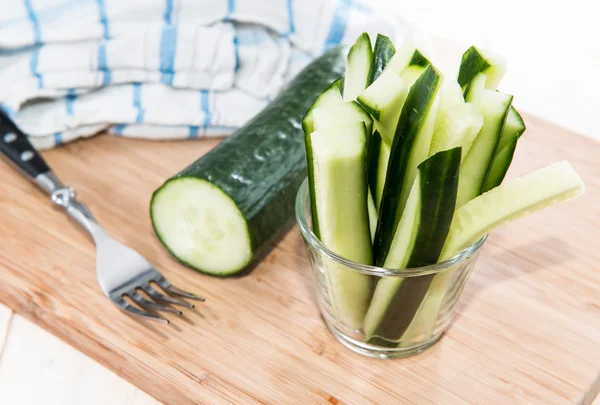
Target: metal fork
x=122, y=272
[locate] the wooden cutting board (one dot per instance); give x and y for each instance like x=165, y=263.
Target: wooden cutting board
x=527, y=329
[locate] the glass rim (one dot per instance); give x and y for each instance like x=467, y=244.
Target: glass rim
x=312, y=240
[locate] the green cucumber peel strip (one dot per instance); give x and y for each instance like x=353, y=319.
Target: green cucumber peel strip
x=476, y=61
x=494, y=106
x=513, y=129
x=384, y=51
x=418, y=242
x=410, y=147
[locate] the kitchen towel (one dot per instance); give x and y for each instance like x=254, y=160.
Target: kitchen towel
x=163, y=69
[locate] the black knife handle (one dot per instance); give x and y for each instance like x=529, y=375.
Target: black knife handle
x=17, y=148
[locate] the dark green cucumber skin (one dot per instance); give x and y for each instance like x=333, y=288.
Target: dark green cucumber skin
x=418, y=59
x=472, y=63
x=384, y=50
x=339, y=83
x=373, y=148
x=418, y=102
x=261, y=166
x=439, y=187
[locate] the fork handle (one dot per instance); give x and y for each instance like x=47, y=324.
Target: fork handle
x=17, y=148
x=19, y=151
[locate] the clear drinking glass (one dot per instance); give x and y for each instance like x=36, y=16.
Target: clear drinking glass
x=416, y=316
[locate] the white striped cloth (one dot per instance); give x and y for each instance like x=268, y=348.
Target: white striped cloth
x=162, y=69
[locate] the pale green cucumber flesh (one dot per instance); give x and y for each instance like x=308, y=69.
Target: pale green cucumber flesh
x=411, y=74
x=508, y=202
x=339, y=115
x=332, y=95
x=475, y=168
x=358, y=67
x=383, y=52
x=409, y=148
x=418, y=242
x=457, y=126
x=209, y=232
x=384, y=100
x=340, y=199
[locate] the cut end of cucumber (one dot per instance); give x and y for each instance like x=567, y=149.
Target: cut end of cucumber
x=201, y=226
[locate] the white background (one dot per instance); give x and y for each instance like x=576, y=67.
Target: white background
x=553, y=53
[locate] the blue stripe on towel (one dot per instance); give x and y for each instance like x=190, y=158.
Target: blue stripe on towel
x=103, y=64
x=205, y=105
x=58, y=138
x=34, y=21
x=168, y=47
x=33, y=66
x=292, y=27
x=103, y=19
x=137, y=102
x=168, y=11
x=118, y=129
x=70, y=101
x=230, y=10
x=194, y=130
x=338, y=25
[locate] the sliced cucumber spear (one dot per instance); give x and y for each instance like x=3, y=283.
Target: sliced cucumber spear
x=384, y=100
x=340, y=115
x=417, y=242
x=476, y=61
x=409, y=148
x=480, y=216
x=332, y=95
x=358, y=67
x=457, y=123
x=513, y=200
x=513, y=129
x=494, y=106
x=338, y=162
x=383, y=52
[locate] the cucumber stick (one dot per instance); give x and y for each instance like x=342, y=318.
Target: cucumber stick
x=383, y=52
x=340, y=201
x=513, y=129
x=475, y=61
x=332, y=95
x=517, y=198
x=226, y=208
x=457, y=126
x=418, y=242
x=358, y=67
x=384, y=100
x=340, y=115
x=494, y=106
x=410, y=147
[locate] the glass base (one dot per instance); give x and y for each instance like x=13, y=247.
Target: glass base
x=381, y=352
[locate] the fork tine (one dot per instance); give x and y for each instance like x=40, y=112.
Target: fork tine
x=131, y=309
x=152, y=292
x=151, y=305
x=170, y=288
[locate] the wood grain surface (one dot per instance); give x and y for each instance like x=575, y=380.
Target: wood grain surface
x=527, y=329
